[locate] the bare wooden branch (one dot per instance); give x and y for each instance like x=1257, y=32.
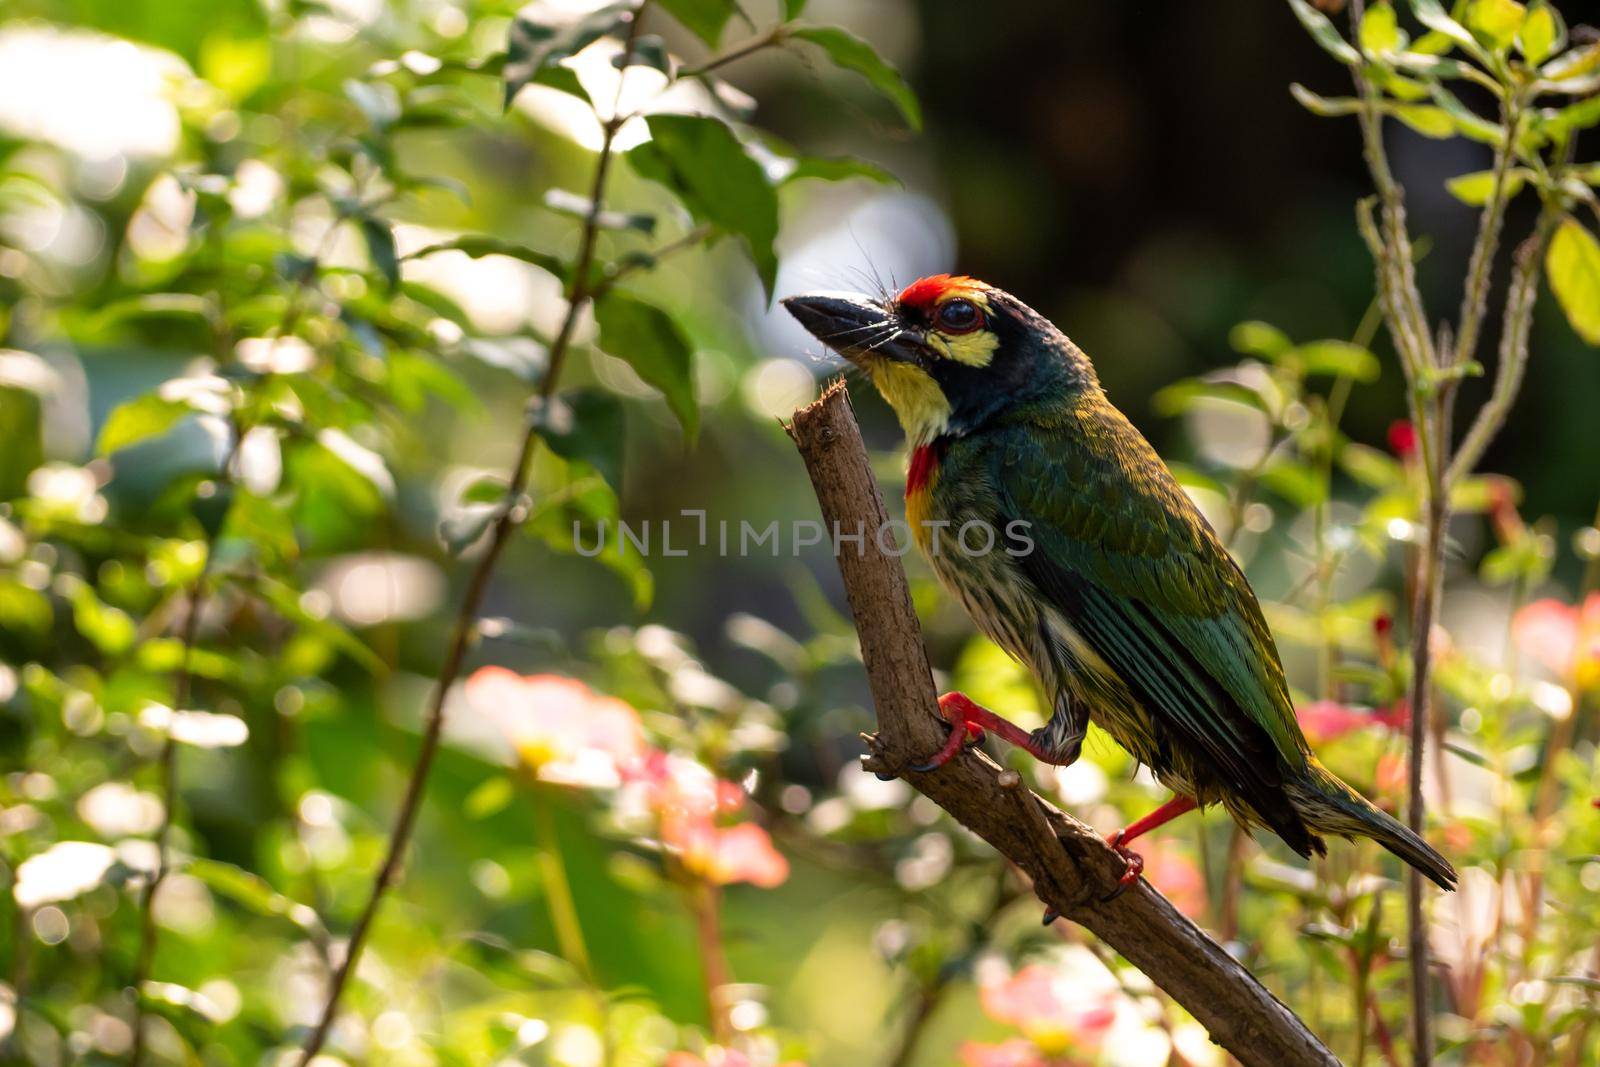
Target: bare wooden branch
x=1071, y=868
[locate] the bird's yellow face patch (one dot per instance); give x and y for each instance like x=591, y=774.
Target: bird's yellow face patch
x=915, y=397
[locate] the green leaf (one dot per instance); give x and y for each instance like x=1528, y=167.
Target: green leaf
x=1476, y=188
x=1432, y=15
x=1324, y=32
x=1495, y=22
x=477, y=246
x=1573, y=263
x=583, y=518
x=1426, y=119
x=852, y=53
x=138, y=420
x=1468, y=123
x=491, y=796
x=579, y=207
x=703, y=18
x=254, y=892
x=109, y=629
x=1371, y=466
x=1380, y=30
x=1259, y=339
x=1573, y=64
x=21, y=422
x=1184, y=396
x=837, y=170
x=1339, y=359
x=1566, y=121
x=586, y=425
x=378, y=101
x=1325, y=106
x=792, y=9
x=651, y=343
x=1543, y=33
x=701, y=160
x=542, y=35
x=461, y=528
x=380, y=248
x=1295, y=481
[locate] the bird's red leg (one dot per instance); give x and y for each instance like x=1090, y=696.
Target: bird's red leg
x=1118, y=839
x=970, y=721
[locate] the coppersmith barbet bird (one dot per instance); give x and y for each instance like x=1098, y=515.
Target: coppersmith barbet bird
x=1105, y=581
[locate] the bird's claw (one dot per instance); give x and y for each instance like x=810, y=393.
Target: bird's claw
x=961, y=733
x=1134, y=861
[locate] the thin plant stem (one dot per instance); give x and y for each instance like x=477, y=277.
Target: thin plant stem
x=738, y=52
x=705, y=906
x=930, y=994
x=649, y=259
x=464, y=629
x=1475, y=297
x=167, y=761
x=558, y=888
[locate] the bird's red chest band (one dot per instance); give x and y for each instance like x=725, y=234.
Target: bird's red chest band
x=924, y=467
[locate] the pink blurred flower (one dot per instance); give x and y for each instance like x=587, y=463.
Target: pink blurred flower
x=1329, y=720
x=561, y=729
x=1054, y=1010
x=1176, y=876
x=1389, y=778
x=716, y=1056
x=724, y=855
x=1564, y=638
x=687, y=800
x=676, y=785
x=1017, y=1052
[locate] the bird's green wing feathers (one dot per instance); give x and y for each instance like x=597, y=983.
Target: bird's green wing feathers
x=1126, y=556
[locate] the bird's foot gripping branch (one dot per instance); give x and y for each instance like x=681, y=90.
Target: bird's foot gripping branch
x=1071, y=868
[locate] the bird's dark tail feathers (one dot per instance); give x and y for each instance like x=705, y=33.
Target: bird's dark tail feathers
x=1328, y=805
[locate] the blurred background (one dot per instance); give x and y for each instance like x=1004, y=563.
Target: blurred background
x=1137, y=173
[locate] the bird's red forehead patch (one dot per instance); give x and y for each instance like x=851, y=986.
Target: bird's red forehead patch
x=926, y=292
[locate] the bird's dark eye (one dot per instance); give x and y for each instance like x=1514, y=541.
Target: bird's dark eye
x=959, y=316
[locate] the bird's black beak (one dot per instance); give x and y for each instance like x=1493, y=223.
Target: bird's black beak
x=855, y=327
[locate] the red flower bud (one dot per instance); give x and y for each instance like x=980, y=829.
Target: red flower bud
x=1403, y=438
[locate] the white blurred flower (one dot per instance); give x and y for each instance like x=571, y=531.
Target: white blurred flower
x=376, y=587
x=1080, y=783
x=645, y=91
x=499, y=294
x=202, y=729
x=53, y=88
x=61, y=872
x=930, y=860
x=184, y=904
x=776, y=387
x=276, y=355
x=256, y=188
x=207, y=393
x=13, y=545
x=117, y=809
x=259, y=464
x=24, y=370
x=160, y=228
x=68, y=491
x=866, y=791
